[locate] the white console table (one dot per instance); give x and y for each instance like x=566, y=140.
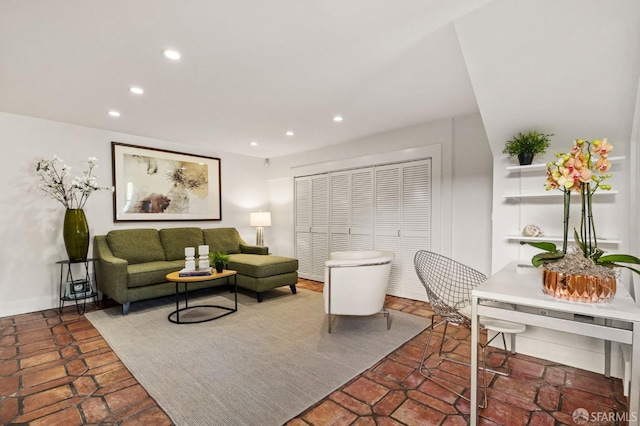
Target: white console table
x=525, y=289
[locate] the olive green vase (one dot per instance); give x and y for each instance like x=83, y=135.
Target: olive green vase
x=76, y=234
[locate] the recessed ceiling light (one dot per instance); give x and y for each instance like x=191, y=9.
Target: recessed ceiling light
x=254, y=143
x=136, y=90
x=290, y=133
x=114, y=113
x=337, y=118
x=171, y=54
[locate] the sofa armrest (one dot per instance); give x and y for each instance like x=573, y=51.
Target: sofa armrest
x=253, y=249
x=111, y=271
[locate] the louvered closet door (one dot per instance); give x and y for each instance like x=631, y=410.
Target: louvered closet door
x=303, y=225
x=361, y=206
x=351, y=210
x=340, y=211
x=312, y=225
x=319, y=225
x=387, y=219
x=403, y=219
x=416, y=223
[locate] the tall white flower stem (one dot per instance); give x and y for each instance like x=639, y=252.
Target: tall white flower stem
x=73, y=195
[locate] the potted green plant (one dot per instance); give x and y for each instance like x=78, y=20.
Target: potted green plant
x=525, y=146
x=219, y=259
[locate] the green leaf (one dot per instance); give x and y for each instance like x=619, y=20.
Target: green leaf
x=541, y=258
x=542, y=245
x=578, y=241
x=624, y=258
x=611, y=264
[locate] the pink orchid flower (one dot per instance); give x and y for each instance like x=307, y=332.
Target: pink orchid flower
x=602, y=147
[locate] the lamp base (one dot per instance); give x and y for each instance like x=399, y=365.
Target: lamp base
x=260, y=236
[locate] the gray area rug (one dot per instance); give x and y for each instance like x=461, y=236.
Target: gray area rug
x=262, y=365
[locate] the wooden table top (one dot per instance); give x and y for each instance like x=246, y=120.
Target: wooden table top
x=175, y=277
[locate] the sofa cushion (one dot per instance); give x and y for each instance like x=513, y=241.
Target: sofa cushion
x=259, y=266
x=143, y=274
x=174, y=241
x=136, y=245
x=226, y=240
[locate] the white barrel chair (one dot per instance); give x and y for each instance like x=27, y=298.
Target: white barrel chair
x=356, y=282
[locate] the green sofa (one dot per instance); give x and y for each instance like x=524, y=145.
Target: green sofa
x=132, y=264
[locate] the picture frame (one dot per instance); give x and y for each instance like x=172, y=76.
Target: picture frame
x=159, y=185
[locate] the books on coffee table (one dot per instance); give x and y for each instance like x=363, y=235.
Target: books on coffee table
x=195, y=272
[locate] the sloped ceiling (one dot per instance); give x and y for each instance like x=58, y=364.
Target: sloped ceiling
x=568, y=67
x=251, y=70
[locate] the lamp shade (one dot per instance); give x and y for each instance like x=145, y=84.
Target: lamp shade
x=260, y=219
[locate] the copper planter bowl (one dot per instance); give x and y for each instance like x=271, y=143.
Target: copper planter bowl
x=578, y=288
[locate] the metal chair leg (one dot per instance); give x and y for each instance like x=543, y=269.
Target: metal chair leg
x=426, y=373
x=424, y=370
x=506, y=353
x=426, y=349
x=444, y=333
x=388, y=316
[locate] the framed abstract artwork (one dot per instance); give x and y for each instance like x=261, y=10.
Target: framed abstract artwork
x=159, y=185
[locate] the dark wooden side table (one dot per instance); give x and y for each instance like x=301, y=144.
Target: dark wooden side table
x=81, y=288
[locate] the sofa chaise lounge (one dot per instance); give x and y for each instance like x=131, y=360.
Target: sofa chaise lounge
x=132, y=264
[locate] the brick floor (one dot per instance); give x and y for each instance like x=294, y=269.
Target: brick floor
x=57, y=370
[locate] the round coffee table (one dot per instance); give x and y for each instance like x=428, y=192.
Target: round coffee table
x=176, y=278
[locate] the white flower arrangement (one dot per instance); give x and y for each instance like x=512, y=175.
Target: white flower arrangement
x=72, y=195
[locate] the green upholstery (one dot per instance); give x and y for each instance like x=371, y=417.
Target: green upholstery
x=142, y=274
x=174, y=241
x=226, y=240
x=262, y=266
x=260, y=285
x=111, y=271
x=136, y=245
x=252, y=249
x=132, y=264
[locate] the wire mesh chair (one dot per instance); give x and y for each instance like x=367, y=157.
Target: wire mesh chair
x=448, y=284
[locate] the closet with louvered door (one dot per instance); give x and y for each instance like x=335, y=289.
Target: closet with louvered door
x=351, y=210
x=312, y=225
x=385, y=207
x=403, y=221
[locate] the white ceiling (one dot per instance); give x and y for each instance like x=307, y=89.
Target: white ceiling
x=567, y=67
x=251, y=69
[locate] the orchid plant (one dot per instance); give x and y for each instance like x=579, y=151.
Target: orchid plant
x=583, y=170
x=74, y=194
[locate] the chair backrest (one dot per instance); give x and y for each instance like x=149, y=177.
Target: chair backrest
x=358, y=281
x=448, y=284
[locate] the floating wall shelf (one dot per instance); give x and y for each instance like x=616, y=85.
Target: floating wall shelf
x=608, y=241
x=554, y=193
x=543, y=166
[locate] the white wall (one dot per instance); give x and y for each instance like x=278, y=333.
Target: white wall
x=634, y=212
x=466, y=175
x=31, y=234
x=31, y=231
x=472, y=192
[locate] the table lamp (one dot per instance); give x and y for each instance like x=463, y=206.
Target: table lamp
x=260, y=219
